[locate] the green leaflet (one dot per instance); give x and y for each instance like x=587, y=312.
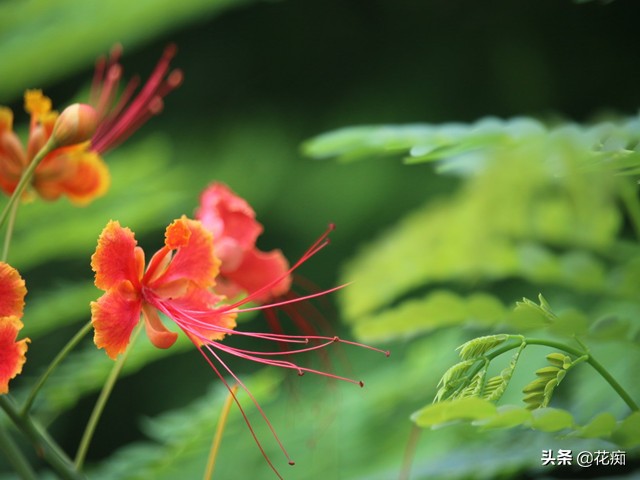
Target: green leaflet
x=627, y=432
x=470, y=408
x=609, y=143
x=440, y=308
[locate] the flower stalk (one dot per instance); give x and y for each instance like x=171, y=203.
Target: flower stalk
x=107, y=388
x=52, y=366
x=217, y=439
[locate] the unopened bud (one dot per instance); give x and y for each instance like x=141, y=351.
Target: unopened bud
x=76, y=124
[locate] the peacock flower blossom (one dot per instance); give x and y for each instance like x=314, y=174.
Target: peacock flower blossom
x=76, y=139
x=12, y=352
x=178, y=282
x=243, y=267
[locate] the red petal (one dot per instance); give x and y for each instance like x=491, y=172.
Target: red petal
x=194, y=259
x=231, y=220
x=114, y=317
x=156, y=331
x=11, y=352
x=117, y=257
x=12, y=291
x=258, y=270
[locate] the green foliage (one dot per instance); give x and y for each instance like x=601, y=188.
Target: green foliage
x=541, y=207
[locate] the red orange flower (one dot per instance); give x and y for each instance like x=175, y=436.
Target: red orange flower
x=12, y=353
x=244, y=268
x=177, y=283
x=76, y=170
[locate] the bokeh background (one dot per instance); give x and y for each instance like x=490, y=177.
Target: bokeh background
x=260, y=78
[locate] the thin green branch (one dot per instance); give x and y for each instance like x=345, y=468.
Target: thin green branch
x=102, y=401
x=9, y=233
x=15, y=456
x=42, y=442
x=52, y=366
x=217, y=438
x=597, y=366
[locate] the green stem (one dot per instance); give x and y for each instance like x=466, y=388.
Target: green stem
x=102, y=401
x=52, y=366
x=597, y=366
x=217, y=438
x=9, y=232
x=26, y=178
x=15, y=456
x=42, y=442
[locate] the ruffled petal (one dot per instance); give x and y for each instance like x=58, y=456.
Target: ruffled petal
x=114, y=317
x=228, y=216
x=12, y=291
x=12, y=353
x=194, y=259
x=79, y=174
x=263, y=275
x=117, y=257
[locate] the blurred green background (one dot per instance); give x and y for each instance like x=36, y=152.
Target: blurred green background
x=260, y=79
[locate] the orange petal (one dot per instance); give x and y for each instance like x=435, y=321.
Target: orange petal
x=258, y=270
x=194, y=260
x=12, y=291
x=80, y=175
x=114, y=317
x=117, y=257
x=156, y=331
x=11, y=352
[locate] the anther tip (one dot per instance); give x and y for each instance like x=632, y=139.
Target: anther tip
x=156, y=105
x=114, y=72
x=116, y=51
x=332, y=226
x=361, y=383
x=292, y=463
x=170, y=50
x=175, y=78
x=387, y=353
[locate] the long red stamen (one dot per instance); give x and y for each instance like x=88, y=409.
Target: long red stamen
x=244, y=415
x=318, y=245
x=120, y=123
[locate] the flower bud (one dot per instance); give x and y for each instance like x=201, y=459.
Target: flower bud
x=76, y=124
